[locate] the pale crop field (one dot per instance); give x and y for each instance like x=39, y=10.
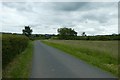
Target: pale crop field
x=110, y=47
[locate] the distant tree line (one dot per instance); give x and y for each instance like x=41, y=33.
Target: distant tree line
x=70, y=34
x=66, y=34
x=100, y=37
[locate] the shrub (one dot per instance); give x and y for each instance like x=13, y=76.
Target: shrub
x=12, y=45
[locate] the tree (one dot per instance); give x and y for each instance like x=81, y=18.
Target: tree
x=83, y=34
x=66, y=33
x=27, y=31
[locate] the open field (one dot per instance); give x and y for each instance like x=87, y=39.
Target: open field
x=103, y=54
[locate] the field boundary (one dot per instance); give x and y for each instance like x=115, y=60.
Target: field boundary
x=20, y=66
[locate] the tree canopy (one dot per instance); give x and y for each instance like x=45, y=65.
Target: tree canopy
x=27, y=31
x=66, y=33
x=84, y=34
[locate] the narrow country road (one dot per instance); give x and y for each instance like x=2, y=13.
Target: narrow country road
x=49, y=62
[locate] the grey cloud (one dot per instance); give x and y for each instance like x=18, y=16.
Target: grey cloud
x=80, y=6
x=101, y=18
x=102, y=12
x=69, y=6
x=49, y=16
x=21, y=6
x=97, y=5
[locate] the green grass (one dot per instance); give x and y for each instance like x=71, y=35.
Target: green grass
x=102, y=54
x=21, y=65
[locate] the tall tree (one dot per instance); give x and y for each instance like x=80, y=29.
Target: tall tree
x=83, y=34
x=27, y=31
x=65, y=33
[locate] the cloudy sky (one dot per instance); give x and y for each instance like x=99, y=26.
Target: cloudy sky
x=94, y=18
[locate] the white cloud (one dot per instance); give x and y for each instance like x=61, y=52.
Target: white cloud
x=93, y=18
x=59, y=0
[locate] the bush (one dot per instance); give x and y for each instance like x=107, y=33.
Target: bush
x=12, y=45
x=101, y=38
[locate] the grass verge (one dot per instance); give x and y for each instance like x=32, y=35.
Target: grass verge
x=95, y=57
x=20, y=66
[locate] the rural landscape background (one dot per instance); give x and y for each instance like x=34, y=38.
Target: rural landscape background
x=86, y=30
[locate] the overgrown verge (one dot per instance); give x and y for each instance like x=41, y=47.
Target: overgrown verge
x=20, y=66
x=95, y=57
x=12, y=45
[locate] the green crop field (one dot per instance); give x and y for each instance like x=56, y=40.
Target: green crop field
x=103, y=54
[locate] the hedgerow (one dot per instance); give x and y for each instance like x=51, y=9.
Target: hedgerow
x=101, y=38
x=12, y=45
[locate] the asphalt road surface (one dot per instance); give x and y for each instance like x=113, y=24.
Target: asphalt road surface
x=49, y=62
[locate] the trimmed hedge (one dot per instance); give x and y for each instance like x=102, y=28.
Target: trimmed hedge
x=101, y=38
x=12, y=45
